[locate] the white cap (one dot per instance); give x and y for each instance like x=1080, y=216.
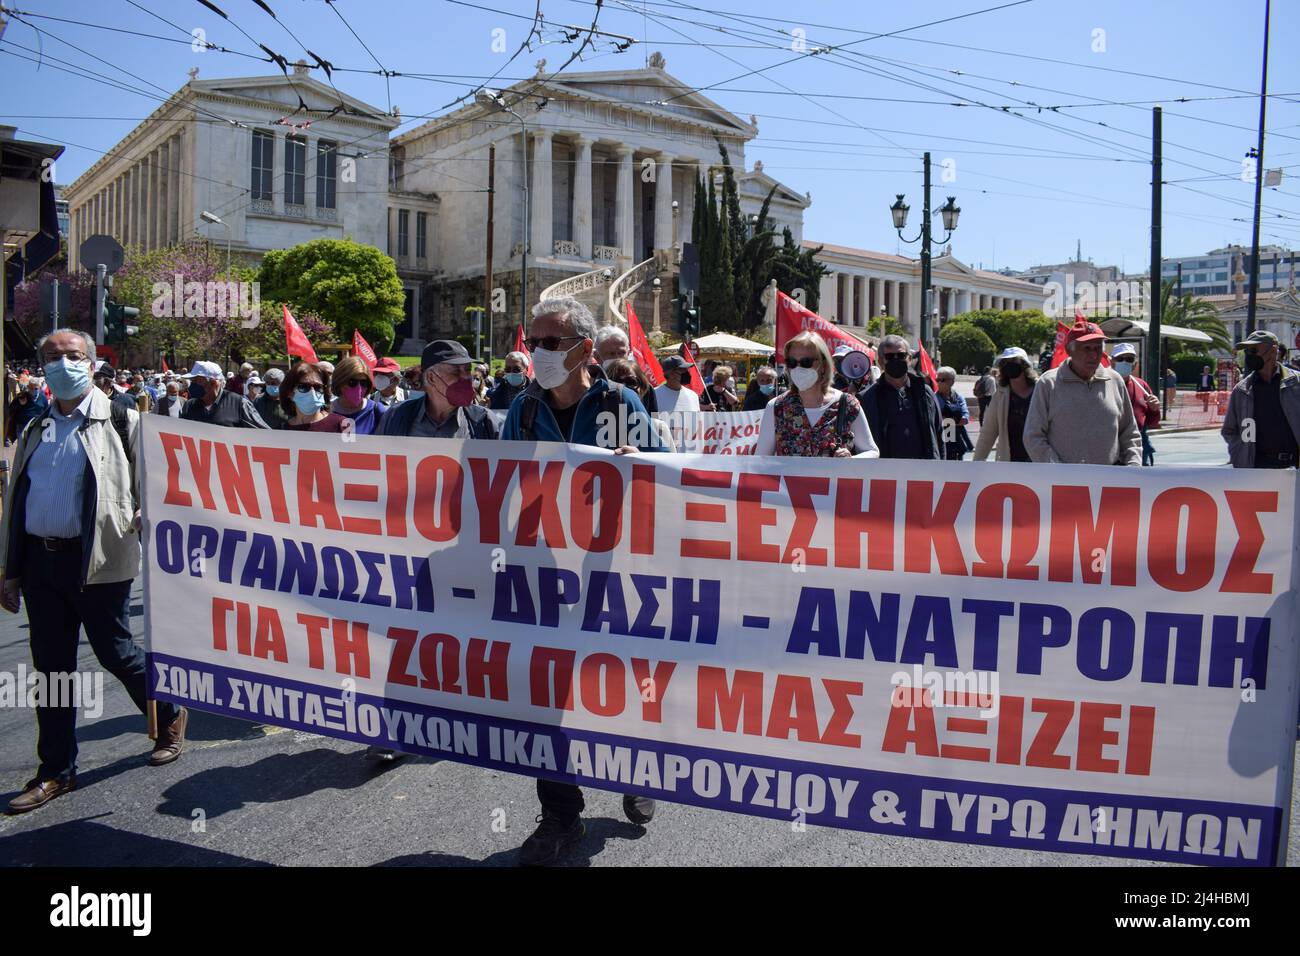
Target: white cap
x=842, y=350
x=253, y=380
x=1124, y=348
x=206, y=370
x=1014, y=352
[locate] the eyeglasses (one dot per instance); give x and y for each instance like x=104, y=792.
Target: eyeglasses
x=363, y=383
x=550, y=342
x=306, y=387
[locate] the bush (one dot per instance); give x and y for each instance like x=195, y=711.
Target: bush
x=1188, y=368
x=1029, y=328
x=963, y=344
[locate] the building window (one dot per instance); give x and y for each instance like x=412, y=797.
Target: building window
x=295, y=171
x=397, y=168
x=421, y=234
x=326, y=174
x=263, y=164
x=403, y=233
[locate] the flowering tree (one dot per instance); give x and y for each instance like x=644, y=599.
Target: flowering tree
x=27, y=303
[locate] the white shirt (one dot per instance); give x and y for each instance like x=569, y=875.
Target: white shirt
x=864, y=446
x=676, y=399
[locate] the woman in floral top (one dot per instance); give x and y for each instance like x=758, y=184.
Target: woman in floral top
x=807, y=421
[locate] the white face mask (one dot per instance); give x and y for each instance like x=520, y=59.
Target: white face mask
x=548, y=367
x=803, y=378
x=382, y=382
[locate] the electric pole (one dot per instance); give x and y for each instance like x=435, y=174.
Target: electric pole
x=1259, y=183
x=491, y=203
x=1153, y=335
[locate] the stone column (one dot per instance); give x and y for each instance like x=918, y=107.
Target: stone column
x=164, y=194
x=582, y=197
x=156, y=219
x=664, y=201
x=541, y=242
x=151, y=203
x=625, y=219
x=892, y=286
x=876, y=298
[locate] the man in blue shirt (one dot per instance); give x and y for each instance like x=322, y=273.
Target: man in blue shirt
x=570, y=400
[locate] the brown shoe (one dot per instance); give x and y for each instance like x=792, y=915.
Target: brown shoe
x=171, y=741
x=40, y=792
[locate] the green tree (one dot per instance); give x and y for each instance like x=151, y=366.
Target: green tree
x=1030, y=329
x=797, y=268
x=348, y=284
x=1192, y=312
x=965, y=344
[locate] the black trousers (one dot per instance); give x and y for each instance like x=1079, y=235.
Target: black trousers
x=564, y=800
x=57, y=610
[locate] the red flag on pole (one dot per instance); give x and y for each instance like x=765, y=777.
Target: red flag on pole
x=164, y=365
x=295, y=339
x=641, y=351
x=519, y=346
x=362, y=348
x=697, y=381
x=1059, y=354
x=793, y=318
x=927, y=366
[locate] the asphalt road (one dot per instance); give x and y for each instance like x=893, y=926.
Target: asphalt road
x=246, y=795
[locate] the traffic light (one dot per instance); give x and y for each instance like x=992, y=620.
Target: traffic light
x=690, y=316
x=116, y=328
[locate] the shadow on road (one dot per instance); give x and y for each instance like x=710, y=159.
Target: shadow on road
x=272, y=779
x=600, y=830
x=86, y=842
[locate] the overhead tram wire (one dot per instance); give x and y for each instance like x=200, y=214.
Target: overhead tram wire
x=188, y=41
x=526, y=44
x=388, y=86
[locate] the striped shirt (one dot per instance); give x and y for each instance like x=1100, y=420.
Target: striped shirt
x=57, y=471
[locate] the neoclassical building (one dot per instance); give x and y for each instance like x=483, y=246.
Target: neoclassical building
x=861, y=283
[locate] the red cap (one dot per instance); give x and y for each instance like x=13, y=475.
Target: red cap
x=1084, y=331
x=388, y=367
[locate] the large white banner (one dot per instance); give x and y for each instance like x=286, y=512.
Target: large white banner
x=1069, y=658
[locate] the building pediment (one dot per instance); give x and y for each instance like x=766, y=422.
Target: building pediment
x=656, y=90
x=758, y=183
x=283, y=92
x=1286, y=301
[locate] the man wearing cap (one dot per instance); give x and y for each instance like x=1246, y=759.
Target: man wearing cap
x=388, y=384
x=1262, y=424
x=1081, y=413
x=211, y=402
x=1146, y=405
x=676, y=394
x=446, y=408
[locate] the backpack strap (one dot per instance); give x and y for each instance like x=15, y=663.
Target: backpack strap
x=842, y=414
x=527, y=416
x=122, y=425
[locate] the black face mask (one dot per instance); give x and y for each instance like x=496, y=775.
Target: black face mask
x=1254, y=361
x=895, y=365
x=685, y=379
x=1009, y=372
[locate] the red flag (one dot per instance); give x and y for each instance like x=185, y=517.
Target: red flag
x=362, y=348
x=641, y=351
x=927, y=366
x=295, y=339
x=792, y=318
x=519, y=346
x=164, y=364
x=1059, y=354
x=697, y=382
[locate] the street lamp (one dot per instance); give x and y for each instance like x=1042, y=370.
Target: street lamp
x=212, y=218
x=949, y=213
x=494, y=100
x=656, y=284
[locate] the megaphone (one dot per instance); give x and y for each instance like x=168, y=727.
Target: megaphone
x=855, y=366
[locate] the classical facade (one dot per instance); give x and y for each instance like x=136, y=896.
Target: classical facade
x=245, y=151
x=861, y=283
x=606, y=161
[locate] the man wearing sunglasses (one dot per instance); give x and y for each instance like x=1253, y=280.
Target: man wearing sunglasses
x=568, y=401
x=1267, y=398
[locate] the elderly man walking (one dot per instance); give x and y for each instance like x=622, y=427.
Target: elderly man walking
x=570, y=400
x=211, y=402
x=70, y=548
x=1081, y=413
x=901, y=408
x=1262, y=424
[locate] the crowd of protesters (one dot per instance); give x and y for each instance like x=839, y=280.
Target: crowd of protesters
x=69, y=547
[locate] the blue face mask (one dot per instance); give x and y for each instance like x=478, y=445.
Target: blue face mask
x=196, y=390
x=273, y=390
x=1124, y=368
x=767, y=389
x=67, y=379
x=515, y=378
x=309, y=402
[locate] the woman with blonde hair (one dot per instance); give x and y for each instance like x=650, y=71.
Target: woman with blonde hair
x=813, y=419
x=351, y=382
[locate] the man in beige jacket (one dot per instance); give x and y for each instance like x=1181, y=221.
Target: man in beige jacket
x=69, y=547
x=1081, y=412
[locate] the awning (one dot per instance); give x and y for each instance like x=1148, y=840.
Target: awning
x=722, y=344
x=1134, y=328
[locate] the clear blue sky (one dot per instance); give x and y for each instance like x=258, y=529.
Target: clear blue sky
x=1028, y=186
